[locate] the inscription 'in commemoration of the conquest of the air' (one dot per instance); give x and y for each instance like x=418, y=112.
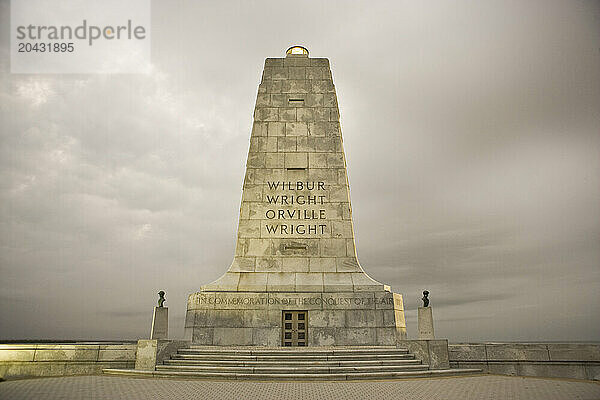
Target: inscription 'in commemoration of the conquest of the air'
x=283, y=221
x=297, y=300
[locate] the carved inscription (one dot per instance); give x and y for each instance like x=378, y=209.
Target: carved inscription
x=299, y=301
x=287, y=212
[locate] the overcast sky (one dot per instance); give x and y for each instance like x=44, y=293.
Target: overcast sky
x=471, y=131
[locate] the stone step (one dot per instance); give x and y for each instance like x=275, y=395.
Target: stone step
x=401, y=361
x=289, y=353
x=296, y=351
x=278, y=377
x=290, y=357
x=292, y=370
x=313, y=348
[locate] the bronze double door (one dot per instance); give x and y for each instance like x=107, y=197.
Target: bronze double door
x=294, y=328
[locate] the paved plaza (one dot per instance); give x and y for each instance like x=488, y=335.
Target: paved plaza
x=488, y=387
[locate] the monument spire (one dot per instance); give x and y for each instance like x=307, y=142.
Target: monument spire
x=295, y=227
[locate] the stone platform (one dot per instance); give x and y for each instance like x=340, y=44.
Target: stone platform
x=280, y=363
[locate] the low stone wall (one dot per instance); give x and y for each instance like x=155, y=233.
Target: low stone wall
x=432, y=352
x=61, y=359
x=563, y=360
x=560, y=360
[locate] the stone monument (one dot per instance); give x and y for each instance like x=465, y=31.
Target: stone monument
x=425, y=319
x=160, y=319
x=295, y=279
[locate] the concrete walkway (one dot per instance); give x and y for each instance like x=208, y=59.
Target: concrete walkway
x=488, y=387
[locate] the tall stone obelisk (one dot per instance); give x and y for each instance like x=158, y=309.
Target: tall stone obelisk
x=295, y=279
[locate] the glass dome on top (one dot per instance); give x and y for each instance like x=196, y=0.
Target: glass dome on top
x=297, y=50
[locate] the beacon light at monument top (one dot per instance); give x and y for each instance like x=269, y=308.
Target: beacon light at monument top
x=295, y=279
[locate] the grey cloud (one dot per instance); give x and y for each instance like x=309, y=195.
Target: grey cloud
x=471, y=135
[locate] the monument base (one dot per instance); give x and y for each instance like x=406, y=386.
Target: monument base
x=425, y=324
x=160, y=323
x=295, y=318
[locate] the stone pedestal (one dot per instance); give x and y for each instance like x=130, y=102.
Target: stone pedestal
x=426, y=324
x=160, y=323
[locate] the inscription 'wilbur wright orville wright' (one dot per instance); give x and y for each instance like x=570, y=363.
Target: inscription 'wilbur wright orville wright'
x=295, y=247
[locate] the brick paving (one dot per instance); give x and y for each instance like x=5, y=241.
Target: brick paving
x=485, y=387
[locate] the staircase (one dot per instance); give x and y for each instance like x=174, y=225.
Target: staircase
x=316, y=363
